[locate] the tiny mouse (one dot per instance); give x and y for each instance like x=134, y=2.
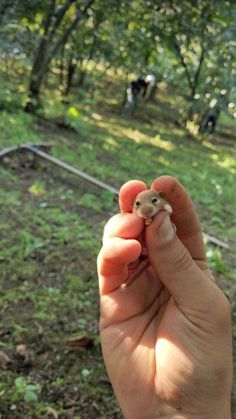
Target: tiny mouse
x=148, y=203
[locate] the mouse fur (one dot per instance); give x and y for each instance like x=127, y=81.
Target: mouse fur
x=148, y=203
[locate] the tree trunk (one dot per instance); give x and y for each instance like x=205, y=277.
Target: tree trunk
x=84, y=63
x=46, y=52
x=195, y=84
x=61, y=66
x=37, y=74
x=81, y=78
x=40, y=63
x=70, y=74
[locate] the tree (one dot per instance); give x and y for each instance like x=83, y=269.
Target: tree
x=51, y=41
x=199, y=34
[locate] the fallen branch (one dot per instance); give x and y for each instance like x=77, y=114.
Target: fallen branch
x=9, y=150
x=71, y=169
x=38, y=150
x=216, y=241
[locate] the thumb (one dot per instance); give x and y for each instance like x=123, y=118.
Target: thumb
x=175, y=268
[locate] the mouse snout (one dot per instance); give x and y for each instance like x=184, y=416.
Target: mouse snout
x=147, y=211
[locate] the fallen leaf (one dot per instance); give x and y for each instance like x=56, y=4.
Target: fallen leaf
x=82, y=341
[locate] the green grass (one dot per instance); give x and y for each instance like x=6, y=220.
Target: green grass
x=140, y=150
x=115, y=149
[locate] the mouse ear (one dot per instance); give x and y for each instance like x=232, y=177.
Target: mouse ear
x=162, y=195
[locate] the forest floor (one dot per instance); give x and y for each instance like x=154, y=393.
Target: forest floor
x=50, y=233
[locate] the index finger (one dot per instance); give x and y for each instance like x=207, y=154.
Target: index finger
x=184, y=215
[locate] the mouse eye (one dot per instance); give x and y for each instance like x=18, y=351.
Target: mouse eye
x=137, y=203
x=154, y=200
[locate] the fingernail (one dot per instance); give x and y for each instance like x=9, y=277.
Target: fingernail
x=166, y=230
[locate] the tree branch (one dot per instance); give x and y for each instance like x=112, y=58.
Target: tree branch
x=80, y=15
x=178, y=50
x=59, y=17
x=205, y=16
x=197, y=74
x=48, y=18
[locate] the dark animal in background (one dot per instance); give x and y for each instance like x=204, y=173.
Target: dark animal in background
x=140, y=87
x=135, y=88
x=210, y=119
x=210, y=123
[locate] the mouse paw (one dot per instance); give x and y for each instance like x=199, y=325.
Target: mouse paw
x=148, y=221
x=168, y=208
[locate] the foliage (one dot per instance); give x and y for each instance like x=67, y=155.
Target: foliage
x=189, y=45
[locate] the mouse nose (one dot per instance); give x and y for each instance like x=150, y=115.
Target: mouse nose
x=147, y=211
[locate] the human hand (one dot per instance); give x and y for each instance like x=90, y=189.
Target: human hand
x=166, y=336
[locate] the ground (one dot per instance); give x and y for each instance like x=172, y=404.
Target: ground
x=51, y=227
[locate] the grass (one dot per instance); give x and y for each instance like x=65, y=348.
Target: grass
x=48, y=294
x=144, y=150
x=51, y=226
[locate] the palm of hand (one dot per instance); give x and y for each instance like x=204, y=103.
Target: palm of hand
x=143, y=342
x=159, y=338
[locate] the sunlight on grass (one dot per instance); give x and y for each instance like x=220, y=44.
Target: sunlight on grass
x=228, y=163
x=192, y=127
x=164, y=144
x=135, y=135
x=110, y=144
x=96, y=116
x=209, y=145
x=13, y=121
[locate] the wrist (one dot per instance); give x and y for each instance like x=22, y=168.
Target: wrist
x=216, y=414
x=169, y=415
x=164, y=411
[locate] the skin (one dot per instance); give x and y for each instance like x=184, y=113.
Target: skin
x=166, y=337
